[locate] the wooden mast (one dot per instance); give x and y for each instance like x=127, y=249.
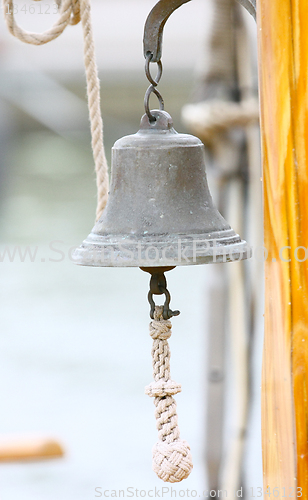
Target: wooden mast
x=283, y=70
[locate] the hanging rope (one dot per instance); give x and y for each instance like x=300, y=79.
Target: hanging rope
x=71, y=12
x=206, y=119
x=172, y=460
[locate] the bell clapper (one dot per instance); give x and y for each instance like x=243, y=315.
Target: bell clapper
x=158, y=286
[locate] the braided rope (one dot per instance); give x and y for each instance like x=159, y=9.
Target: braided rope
x=71, y=12
x=172, y=461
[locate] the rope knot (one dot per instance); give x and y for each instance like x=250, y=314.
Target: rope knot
x=162, y=389
x=172, y=462
x=160, y=329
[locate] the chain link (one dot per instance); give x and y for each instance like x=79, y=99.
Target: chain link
x=152, y=88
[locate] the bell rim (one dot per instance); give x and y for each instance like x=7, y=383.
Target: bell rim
x=193, y=249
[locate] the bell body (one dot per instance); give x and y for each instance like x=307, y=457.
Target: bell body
x=160, y=211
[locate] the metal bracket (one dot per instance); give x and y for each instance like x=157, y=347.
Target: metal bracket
x=154, y=26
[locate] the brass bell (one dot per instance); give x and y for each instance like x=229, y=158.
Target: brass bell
x=159, y=212
x=159, y=215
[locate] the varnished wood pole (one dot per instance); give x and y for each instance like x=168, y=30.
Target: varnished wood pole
x=283, y=70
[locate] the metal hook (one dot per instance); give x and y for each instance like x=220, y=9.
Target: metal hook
x=154, y=26
x=250, y=6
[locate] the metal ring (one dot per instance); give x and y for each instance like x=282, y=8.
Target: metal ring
x=167, y=312
x=152, y=304
x=153, y=81
x=149, y=91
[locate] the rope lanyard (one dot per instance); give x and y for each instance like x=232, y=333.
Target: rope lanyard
x=172, y=461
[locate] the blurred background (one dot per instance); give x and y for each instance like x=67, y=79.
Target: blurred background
x=75, y=353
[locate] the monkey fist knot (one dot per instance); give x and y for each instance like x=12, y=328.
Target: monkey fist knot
x=172, y=462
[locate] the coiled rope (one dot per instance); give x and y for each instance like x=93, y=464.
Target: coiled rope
x=72, y=12
x=172, y=460
x=209, y=118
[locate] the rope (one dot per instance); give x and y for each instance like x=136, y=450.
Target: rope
x=215, y=110
x=172, y=461
x=208, y=118
x=221, y=53
x=71, y=12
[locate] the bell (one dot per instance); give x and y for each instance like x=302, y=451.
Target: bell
x=160, y=212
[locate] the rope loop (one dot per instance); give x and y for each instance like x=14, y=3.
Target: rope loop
x=71, y=13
